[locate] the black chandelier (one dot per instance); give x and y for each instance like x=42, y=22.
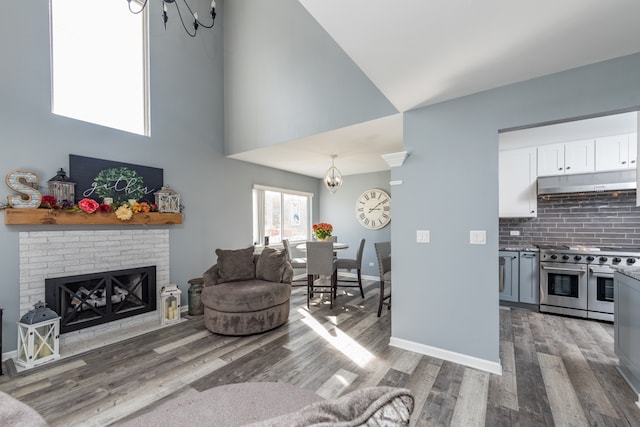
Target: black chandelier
x=194, y=15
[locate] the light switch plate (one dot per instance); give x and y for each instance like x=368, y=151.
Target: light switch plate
x=423, y=236
x=478, y=237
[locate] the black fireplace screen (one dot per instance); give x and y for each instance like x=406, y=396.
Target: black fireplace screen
x=92, y=299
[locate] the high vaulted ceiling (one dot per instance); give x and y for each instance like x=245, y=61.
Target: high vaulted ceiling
x=420, y=52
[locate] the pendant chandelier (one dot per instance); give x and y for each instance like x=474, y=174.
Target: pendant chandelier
x=333, y=177
x=191, y=16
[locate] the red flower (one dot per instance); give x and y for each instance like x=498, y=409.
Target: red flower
x=88, y=205
x=104, y=208
x=48, y=201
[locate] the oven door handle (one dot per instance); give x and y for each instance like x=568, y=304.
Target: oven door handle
x=602, y=273
x=544, y=267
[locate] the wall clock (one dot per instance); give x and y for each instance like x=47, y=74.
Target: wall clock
x=373, y=209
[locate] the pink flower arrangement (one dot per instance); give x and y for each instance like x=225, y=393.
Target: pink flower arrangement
x=88, y=205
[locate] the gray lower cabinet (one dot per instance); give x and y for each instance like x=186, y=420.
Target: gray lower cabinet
x=519, y=276
x=529, y=289
x=509, y=275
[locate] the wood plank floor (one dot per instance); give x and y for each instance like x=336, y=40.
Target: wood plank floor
x=557, y=370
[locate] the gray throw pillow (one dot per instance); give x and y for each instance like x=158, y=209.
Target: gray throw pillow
x=235, y=265
x=372, y=406
x=271, y=264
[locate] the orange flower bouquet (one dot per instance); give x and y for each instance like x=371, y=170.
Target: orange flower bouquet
x=322, y=230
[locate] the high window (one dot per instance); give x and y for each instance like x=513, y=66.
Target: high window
x=99, y=63
x=280, y=214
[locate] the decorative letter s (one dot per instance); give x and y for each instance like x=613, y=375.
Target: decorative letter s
x=17, y=181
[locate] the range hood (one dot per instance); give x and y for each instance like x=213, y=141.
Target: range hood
x=588, y=182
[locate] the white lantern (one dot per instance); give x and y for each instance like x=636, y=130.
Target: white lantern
x=167, y=200
x=38, y=336
x=170, y=296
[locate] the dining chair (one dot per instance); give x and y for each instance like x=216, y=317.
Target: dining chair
x=352, y=264
x=383, y=253
x=321, y=263
x=295, y=262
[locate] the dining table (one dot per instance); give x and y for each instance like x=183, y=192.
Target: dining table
x=336, y=246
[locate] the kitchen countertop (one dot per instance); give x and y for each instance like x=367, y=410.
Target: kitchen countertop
x=517, y=248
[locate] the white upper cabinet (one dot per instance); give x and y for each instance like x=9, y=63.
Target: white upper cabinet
x=579, y=156
x=517, y=183
x=616, y=152
x=551, y=159
x=566, y=158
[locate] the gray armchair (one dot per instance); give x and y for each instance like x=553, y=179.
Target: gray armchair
x=245, y=293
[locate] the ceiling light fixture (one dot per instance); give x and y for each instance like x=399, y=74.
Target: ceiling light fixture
x=333, y=177
x=194, y=15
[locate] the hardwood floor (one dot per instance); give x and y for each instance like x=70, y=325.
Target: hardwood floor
x=556, y=370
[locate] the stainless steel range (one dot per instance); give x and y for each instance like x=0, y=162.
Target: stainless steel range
x=578, y=281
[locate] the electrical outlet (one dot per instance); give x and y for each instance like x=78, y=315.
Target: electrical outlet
x=514, y=233
x=370, y=264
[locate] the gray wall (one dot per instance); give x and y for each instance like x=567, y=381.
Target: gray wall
x=187, y=141
x=286, y=78
x=447, y=289
x=338, y=209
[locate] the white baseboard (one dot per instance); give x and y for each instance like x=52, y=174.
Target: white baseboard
x=462, y=359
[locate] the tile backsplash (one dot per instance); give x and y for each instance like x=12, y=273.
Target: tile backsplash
x=591, y=219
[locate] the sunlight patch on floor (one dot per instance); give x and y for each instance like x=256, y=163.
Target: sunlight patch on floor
x=339, y=340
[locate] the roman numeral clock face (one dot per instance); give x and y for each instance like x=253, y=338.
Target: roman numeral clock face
x=373, y=209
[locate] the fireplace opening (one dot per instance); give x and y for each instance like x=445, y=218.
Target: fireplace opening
x=91, y=299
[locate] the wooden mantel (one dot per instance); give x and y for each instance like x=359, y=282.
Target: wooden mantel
x=24, y=216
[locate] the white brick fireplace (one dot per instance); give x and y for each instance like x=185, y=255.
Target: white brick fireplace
x=52, y=254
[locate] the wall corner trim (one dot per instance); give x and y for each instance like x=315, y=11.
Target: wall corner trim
x=462, y=359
